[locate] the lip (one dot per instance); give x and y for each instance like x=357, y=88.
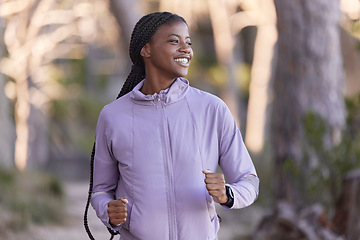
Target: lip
x=185, y=64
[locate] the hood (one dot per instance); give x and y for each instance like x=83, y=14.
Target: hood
x=173, y=94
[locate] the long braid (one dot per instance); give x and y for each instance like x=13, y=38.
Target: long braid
x=143, y=31
x=136, y=75
x=86, y=225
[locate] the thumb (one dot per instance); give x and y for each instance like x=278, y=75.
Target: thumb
x=206, y=171
x=124, y=200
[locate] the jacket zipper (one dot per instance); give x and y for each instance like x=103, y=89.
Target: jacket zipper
x=169, y=171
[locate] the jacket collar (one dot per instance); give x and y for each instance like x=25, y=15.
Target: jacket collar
x=168, y=96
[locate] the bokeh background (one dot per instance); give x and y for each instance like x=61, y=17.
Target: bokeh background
x=288, y=70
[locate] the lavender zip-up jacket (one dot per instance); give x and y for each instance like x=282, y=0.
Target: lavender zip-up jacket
x=153, y=148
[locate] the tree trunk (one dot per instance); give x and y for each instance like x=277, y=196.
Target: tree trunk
x=309, y=77
x=39, y=149
x=126, y=13
x=261, y=75
x=351, y=64
x=287, y=223
x=224, y=41
x=347, y=220
x=182, y=7
x=7, y=132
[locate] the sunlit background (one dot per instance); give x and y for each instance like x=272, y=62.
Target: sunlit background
x=61, y=61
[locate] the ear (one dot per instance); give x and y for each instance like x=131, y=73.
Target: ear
x=145, y=51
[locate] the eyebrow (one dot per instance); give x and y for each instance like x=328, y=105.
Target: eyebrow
x=176, y=35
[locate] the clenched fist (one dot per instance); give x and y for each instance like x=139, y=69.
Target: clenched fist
x=215, y=184
x=117, y=211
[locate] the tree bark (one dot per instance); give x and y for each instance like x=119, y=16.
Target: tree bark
x=261, y=75
x=224, y=42
x=7, y=132
x=126, y=13
x=24, y=36
x=351, y=64
x=309, y=77
x=347, y=220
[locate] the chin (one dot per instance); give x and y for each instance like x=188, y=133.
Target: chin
x=182, y=74
x=179, y=73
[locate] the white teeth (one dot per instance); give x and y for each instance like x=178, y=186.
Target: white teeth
x=182, y=60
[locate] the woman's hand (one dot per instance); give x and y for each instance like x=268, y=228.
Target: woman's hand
x=215, y=184
x=117, y=211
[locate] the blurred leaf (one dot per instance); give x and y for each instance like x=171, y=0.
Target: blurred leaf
x=323, y=181
x=356, y=28
x=31, y=197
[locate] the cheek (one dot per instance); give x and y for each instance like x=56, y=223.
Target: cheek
x=191, y=53
x=165, y=53
x=159, y=56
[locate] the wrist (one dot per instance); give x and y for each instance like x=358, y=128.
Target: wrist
x=225, y=200
x=230, y=198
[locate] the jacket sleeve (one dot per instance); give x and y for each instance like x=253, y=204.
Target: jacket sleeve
x=236, y=162
x=106, y=173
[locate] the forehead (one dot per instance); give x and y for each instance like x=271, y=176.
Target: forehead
x=175, y=28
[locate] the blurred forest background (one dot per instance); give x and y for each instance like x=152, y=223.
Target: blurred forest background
x=288, y=70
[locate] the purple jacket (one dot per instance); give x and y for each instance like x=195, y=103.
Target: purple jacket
x=153, y=148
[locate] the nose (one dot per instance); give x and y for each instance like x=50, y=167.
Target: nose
x=185, y=48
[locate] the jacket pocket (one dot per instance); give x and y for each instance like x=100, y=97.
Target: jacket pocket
x=213, y=218
x=211, y=207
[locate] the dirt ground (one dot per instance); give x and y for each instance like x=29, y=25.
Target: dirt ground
x=236, y=224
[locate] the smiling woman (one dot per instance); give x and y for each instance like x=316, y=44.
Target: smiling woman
x=166, y=56
x=160, y=143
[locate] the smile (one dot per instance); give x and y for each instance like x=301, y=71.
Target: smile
x=182, y=60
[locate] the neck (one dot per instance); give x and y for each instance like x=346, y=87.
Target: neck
x=155, y=80
x=151, y=87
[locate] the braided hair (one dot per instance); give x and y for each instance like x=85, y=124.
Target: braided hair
x=142, y=33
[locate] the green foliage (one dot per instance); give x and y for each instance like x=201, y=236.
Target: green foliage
x=325, y=165
x=218, y=75
x=292, y=168
x=356, y=28
x=206, y=60
x=74, y=72
x=30, y=197
x=358, y=46
x=74, y=115
x=243, y=73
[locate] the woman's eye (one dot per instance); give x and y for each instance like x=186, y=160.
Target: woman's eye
x=178, y=41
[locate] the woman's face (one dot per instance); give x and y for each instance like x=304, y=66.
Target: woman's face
x=169, y=52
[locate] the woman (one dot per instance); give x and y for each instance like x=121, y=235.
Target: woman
x=159, y=144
